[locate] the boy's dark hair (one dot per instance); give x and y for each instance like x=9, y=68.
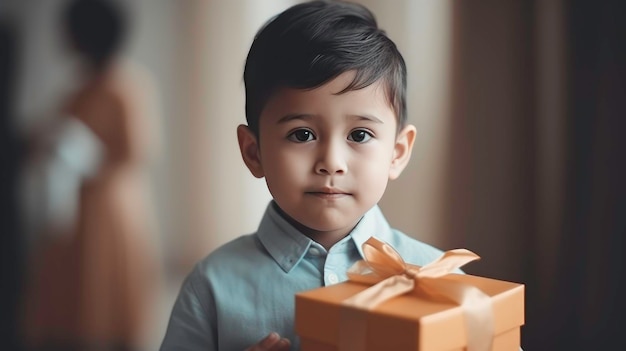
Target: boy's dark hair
x=96, y=28
x=311, y=43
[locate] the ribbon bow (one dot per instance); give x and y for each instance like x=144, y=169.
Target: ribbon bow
x=390, y=276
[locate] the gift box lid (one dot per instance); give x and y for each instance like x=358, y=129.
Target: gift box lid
x=409, y=321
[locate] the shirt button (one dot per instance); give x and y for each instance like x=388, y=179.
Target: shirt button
x=314, y=251
x=332, y=278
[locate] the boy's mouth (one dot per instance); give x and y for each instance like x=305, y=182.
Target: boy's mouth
x=328, y=193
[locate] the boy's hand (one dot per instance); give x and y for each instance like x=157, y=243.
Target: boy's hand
x=272, y=342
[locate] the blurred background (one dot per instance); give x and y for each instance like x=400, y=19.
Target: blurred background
x=519, y=107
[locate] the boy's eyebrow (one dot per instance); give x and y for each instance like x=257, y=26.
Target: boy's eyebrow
x=364, y=117
x=291, y=117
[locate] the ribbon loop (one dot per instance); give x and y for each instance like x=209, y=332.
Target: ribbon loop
x=382, y=258
x=447, y=263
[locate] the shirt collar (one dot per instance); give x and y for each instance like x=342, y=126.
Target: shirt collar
x=374, y=224
x=287, y=245
x=282, y=241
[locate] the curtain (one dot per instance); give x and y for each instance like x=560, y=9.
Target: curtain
x=536, y=166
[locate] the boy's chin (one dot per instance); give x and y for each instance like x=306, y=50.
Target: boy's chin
x=326, y=222
x=333, y=226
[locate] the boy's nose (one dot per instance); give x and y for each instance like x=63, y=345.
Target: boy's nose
x=331, y=160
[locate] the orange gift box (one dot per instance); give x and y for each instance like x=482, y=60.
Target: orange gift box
x=411, y=321
x=408, y=322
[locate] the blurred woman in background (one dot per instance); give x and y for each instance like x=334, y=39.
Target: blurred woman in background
x=94, y=268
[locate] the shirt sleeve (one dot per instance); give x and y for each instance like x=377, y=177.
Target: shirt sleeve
x=192, y=321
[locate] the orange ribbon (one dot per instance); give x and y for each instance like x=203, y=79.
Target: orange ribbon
x=390, y=276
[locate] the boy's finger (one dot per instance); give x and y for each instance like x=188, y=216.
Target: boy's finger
x=269, y=341
x=266, y=344
x=282, y=345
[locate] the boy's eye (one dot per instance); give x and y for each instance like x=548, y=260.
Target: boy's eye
x=301, y=135
x=359, y=136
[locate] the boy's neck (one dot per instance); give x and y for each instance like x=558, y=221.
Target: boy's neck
x=326, y=239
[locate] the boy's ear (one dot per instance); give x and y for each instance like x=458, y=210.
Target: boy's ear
x=402, y=151
x=249, y=147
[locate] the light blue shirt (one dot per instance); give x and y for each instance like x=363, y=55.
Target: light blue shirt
x=246, y=289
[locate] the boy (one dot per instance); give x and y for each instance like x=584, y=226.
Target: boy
x=326, y=114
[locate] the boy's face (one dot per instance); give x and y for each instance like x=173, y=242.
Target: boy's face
x=327, y=157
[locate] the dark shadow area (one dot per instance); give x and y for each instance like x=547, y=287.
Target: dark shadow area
x=11, y=242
